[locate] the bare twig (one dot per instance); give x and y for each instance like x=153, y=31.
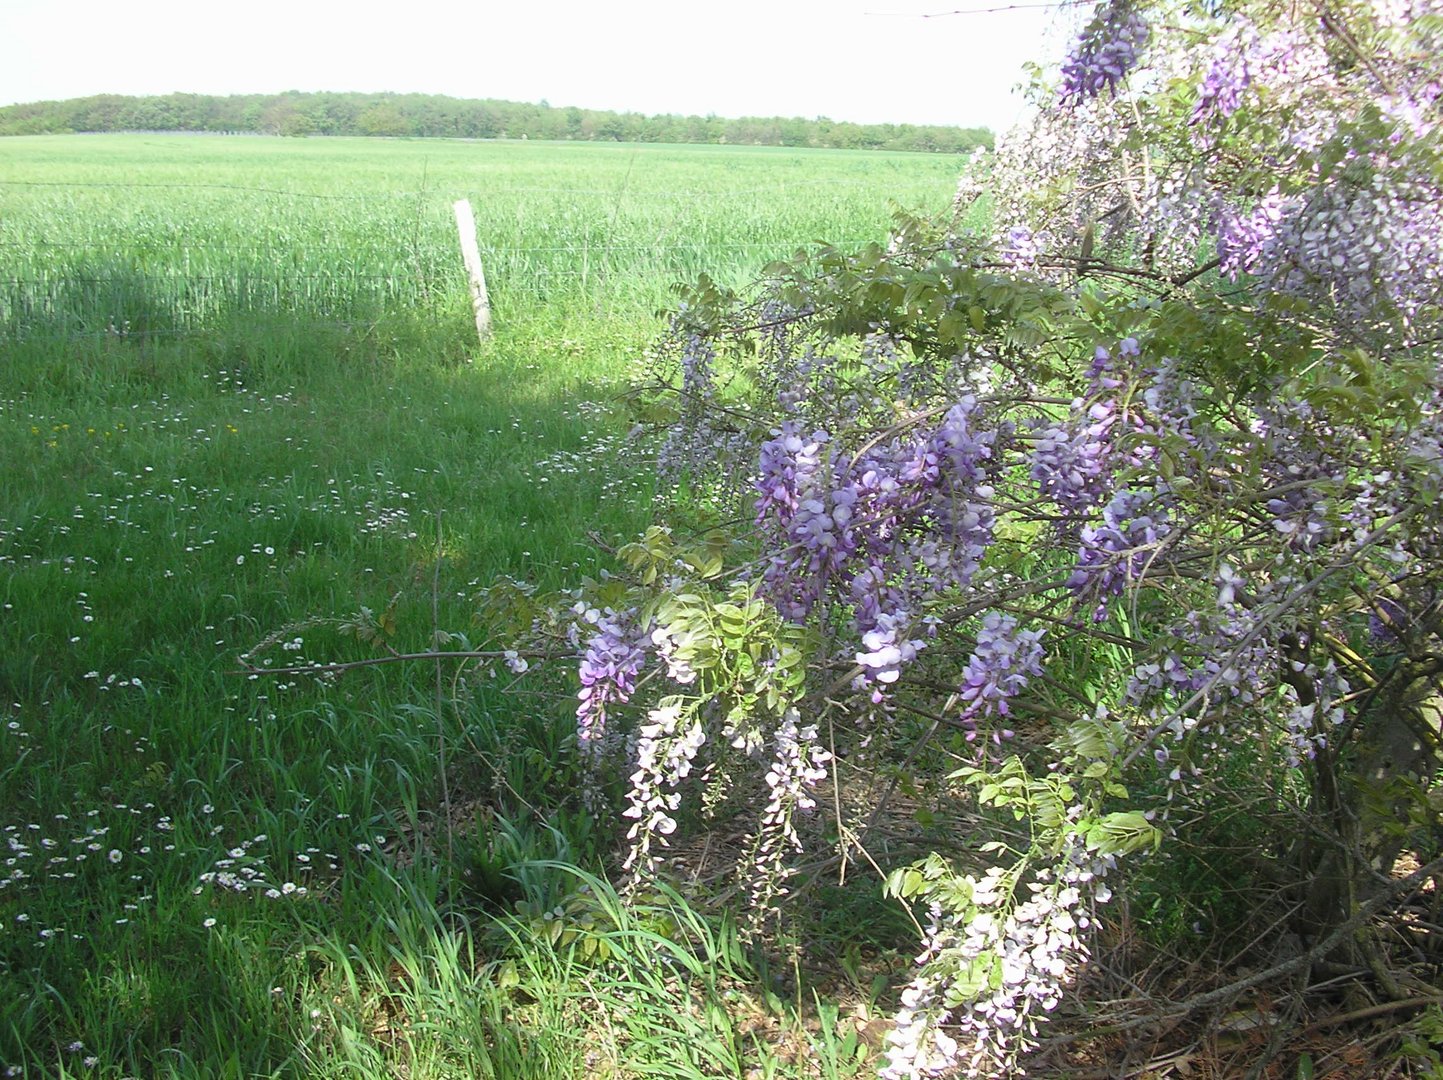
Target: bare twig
x=1384, y=1008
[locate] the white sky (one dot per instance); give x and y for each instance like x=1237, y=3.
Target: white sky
x=869, y=61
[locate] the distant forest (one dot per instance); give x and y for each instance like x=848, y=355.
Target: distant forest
x=433, y=116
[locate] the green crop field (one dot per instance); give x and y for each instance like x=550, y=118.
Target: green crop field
x=164, y=233
x=243, y=414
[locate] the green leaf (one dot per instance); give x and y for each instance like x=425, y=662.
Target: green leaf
x=912, y=883
x=1123, y=832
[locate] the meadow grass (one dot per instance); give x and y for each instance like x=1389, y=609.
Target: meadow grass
x=163, y=512
x=209, y=874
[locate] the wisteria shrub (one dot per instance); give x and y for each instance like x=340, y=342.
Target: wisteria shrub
x=1138, y=488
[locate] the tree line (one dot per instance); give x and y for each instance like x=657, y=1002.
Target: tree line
x=435, y=116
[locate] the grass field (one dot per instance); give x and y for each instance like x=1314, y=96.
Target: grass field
x=240, y=401
x=162, y=233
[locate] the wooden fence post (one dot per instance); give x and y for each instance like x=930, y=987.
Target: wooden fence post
x=466, y=227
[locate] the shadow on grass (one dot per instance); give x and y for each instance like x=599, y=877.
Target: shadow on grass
x=168, y=502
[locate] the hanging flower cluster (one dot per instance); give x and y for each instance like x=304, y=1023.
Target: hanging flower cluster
x=614, y=656
x=1105, y=52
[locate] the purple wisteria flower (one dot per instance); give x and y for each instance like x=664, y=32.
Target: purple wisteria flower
x=1118, y=549
x=887, y=648
x=1243, y=57
x=880, y=531
x=1247, y=239
x=691, y=446
x=1105, y=52
x=999, y=668
x=964, y=452
x=796, y=505
x=789, y=461
x=1072, y=461
x=1022, y=247
x=1362, y=247
x=1303, y=474
x=613, y=657
x=1222, y=90
x=798, y=765
x=1306, y=726
x=1301, y=517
